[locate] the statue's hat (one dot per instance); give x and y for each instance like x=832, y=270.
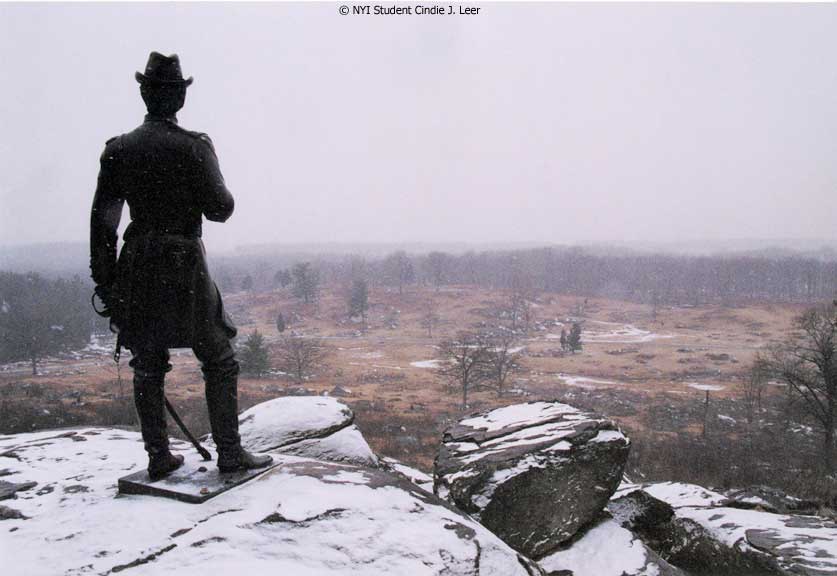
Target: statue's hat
x=162, y=70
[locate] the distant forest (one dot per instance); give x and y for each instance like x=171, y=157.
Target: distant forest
x=661, y=279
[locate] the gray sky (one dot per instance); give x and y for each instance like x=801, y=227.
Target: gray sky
x=528, y=122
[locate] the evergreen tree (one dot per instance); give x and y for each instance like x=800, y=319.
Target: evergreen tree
x=565, y=345
x=574, y=339
x=359, y=299
x=280, y=323
x=253, y=355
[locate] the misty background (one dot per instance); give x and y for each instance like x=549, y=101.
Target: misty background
x=676, y=126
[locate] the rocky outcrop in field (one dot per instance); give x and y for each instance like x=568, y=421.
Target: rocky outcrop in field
x=534, y=474
x=307, y=516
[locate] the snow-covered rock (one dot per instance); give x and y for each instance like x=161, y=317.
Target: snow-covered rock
x=705, y=536
x=281, y=421
x=311, y=426
x=770, y=499
x=638, y=510
x=347, y=445
x=305, y=517
x=799, y=544
x=417, y=477
x=682, y=542
x=533, y=473
x=608, y=550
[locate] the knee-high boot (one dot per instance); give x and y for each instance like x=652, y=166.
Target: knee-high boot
x=222, y=403
x=150, y=403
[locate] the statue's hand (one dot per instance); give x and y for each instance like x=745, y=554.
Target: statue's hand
x=105, y=296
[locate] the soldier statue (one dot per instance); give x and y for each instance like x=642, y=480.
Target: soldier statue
x=159, y=293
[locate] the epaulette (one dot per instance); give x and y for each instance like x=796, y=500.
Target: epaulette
x=203, y=138
x=112, y=146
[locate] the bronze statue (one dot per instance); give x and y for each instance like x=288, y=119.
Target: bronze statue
x=159, y=292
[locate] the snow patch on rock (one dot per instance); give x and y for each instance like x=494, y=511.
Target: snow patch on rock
x=281, y=421
x=605, y=550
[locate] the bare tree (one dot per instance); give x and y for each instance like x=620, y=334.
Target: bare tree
x=399, y=269
x=299, y=355
x=429, y=317
x=806, y=364
x=463, y=362
x=305, y=283
x=752, y=388
x=503, y=359
x=438, y=267
x=565, y=343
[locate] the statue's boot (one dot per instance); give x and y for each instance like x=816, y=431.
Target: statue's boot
x=150, y=403
x=222, y=403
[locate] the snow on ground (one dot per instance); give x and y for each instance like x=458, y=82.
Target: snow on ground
x=425, y=364
x=100, y=344
x=606, y=550
x=705, y=387
x=376, y=354
x=586, y=382
x=600, y=332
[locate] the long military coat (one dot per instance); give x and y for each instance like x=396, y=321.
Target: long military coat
x=162, y=293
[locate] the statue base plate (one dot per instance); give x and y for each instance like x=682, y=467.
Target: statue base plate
x=195, y=482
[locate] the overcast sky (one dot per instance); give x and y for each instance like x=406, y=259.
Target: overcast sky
x=528, y=122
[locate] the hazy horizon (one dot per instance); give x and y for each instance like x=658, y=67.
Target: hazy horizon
x=622, y=124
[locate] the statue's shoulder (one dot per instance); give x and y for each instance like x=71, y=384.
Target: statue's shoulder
x=115, y=142
x=113, y=146
x=201, y=137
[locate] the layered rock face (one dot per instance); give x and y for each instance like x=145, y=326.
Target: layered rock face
x=534, y=474
x=305, y=517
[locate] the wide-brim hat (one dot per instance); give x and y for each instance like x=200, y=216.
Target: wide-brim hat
x=162, y=70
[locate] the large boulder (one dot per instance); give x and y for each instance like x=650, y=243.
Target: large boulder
x=534, y=473
x=305, y=517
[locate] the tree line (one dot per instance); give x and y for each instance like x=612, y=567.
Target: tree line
x=654, y=279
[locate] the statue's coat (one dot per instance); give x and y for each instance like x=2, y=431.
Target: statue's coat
x=162, y=295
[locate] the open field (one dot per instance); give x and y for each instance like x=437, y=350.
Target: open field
x=649, y=373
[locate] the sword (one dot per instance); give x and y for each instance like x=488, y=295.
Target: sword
x=201, y=450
